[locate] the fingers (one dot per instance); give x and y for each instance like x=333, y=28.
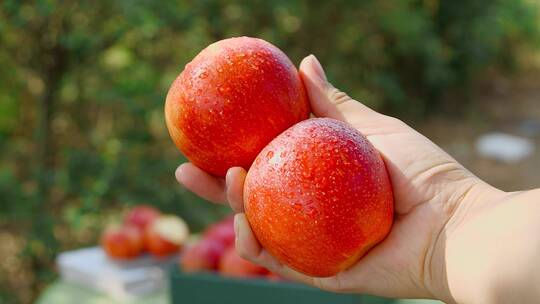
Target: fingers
x=201, y=183
x=246, y=244
x=235, y=188
x=213, y=188
x=249, y=248
x=327, y=101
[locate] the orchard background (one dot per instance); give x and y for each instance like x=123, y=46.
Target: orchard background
x=82, y=87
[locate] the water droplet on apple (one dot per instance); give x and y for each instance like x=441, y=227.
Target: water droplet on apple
x=312, y=212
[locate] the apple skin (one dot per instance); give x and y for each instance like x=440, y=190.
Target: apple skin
x=222, y=231
x=233, y=266
x=140, y=216
x=203, y=256
x=157, y=245
x=156, y=241
x=318, y=197
x=122, y=242
x=275, y=277
x=231, y=100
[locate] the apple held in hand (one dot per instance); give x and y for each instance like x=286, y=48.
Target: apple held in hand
x=231, y=100
x=141, y=216
x=318, y=197
x=122, y=242
x=232, y=265
x=165, y=235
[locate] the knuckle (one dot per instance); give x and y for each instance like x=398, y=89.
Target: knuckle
x=337, y=96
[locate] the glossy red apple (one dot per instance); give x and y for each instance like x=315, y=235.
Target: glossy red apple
x=232, y=265
x=318, y=197
x=165, y=235
x=122, y=242
x=141, y=216
x=222, y=231
x=202, y=256
x=231, y=100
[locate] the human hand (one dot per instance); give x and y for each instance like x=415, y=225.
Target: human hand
x=433, y=193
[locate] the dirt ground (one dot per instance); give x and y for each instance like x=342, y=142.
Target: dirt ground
x=500, y=105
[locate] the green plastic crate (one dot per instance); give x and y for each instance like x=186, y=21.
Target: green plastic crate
x=211, y=288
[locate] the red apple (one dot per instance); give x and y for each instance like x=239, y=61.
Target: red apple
x=232, y=265
x=141, y=216
x=318, y=197
x=122, y=242
x=275, y=277
x=203, y=256
x=222, y=231
x=165, y=235
x=231, y=100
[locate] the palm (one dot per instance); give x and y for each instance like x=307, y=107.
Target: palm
x=418, y=169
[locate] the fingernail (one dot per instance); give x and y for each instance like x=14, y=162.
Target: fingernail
x=178, y=174
x=229, y=175
x=227, y=179
x=317, y=68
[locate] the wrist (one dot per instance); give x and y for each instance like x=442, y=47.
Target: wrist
x=448, y=266
x=491, y=252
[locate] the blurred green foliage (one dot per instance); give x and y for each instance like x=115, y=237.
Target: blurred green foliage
x=82, y=87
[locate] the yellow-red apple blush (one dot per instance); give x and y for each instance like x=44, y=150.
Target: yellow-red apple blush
x=318, y=197
x=122, y=242
x=165, y=235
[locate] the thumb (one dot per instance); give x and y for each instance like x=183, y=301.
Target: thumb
x=326, y=100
